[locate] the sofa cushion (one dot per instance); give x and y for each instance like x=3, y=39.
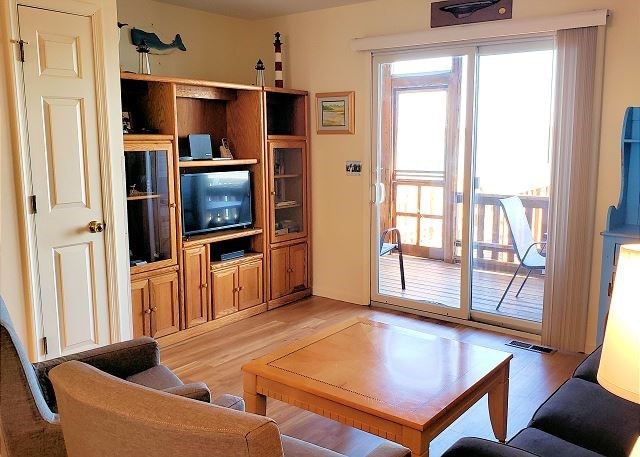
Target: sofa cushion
x=158, y=377
x=543, y=444
x=588, y=369
x=585, y=414
x=479, y=447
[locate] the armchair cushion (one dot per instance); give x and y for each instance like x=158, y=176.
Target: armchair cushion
x=195, y=391
x=230, y=401
x=159, y=377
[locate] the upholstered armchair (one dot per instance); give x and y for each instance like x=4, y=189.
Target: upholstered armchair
x=103, y=415
x=29, y=423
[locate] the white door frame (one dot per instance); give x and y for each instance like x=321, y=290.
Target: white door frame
x=106, y=36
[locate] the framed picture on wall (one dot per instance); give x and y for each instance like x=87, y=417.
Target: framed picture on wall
x=335, y=112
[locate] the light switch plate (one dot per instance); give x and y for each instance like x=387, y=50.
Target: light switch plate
x=353, y=168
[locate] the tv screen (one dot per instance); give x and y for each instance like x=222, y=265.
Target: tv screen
x=215, y=201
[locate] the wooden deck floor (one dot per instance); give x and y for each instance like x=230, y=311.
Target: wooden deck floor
x=439, y=282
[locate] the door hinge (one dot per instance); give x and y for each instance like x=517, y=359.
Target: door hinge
x=21, y=44
x=45, y=347
x=33, y=207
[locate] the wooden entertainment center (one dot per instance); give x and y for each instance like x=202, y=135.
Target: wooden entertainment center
x=180, y=286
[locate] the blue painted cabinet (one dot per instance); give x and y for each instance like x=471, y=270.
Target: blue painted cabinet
x=623, y=220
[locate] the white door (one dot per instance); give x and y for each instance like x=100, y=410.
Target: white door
x=62, y=124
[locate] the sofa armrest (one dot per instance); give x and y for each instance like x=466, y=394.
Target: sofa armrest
x=478, y=447
x=119, y=359
x=196, y=391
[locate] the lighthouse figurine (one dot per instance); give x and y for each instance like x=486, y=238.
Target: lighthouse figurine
x=278, y=48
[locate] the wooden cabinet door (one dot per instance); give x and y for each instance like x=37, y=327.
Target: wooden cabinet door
x=279, y=273
x=163, y=293
x=298, y=267
x=249, y=284
x=225, y=286
x=196, y=294
x=140, y=308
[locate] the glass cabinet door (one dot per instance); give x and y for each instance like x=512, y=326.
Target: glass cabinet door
x=150, y=205
x=288, y=190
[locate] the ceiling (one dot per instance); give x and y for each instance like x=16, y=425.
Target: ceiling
x=259, y=9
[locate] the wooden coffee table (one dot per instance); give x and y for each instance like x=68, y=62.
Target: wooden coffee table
x=396, y=383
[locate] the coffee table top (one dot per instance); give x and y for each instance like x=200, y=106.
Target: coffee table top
x=396, y=373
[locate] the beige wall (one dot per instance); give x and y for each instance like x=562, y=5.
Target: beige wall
x=319, y=59
x=218, y=47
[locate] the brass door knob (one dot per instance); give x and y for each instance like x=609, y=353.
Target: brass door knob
x=96, y=227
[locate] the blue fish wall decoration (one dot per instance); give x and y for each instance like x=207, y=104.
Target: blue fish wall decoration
x=145, y=41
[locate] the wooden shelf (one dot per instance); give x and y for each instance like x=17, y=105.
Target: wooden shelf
x=286, y=138
x=220, y=236
x=143, y=197
x=146, y=137
x=248, y=257
x=217, y=163
x=185, y=81
x=283, y=176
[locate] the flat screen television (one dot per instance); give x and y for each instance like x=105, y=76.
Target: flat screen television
x=215, y=201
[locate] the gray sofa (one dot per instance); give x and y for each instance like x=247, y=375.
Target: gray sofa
x=581, y=419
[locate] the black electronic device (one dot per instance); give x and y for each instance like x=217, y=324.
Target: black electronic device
x=197, y=146
x=215, y=201
x=232, y=255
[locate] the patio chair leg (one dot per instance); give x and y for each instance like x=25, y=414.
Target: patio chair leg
x=401, y=266
x=507, y=289
x=522, y=285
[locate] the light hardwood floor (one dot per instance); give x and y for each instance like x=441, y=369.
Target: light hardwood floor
x=216, y=358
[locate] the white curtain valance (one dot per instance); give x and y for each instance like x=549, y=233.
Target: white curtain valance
x=482, y=31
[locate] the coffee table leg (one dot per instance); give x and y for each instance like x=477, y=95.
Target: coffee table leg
x=417, y=441
x=498, y=405
x=254, y=402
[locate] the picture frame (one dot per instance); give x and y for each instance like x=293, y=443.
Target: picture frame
x=335, y=113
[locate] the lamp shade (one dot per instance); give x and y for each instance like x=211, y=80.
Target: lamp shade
x=619, y=370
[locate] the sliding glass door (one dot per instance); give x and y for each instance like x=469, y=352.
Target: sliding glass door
x=512, y=167
x=458, y=134
x=420, y=157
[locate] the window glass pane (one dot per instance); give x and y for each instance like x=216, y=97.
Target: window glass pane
x=421, y=130
x=407, y=199
x=431, y=200
x=421, y=66
x=431, y=233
